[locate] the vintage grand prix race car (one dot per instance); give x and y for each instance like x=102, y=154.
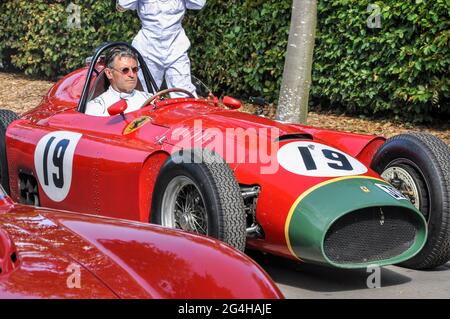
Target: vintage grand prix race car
x=198, y=164
x=50, y=254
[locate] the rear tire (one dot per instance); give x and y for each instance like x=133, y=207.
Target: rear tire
x=6, y=118
x=418, y=165
x=197, y=191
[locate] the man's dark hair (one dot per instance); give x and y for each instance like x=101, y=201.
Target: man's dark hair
x=119, y=51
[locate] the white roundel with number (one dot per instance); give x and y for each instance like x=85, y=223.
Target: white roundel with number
x=53, y=161
x=314, y=159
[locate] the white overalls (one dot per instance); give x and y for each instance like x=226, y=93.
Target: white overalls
x=99, y=106
x=162, y=40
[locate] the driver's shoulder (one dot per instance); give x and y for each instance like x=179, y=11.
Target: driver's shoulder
x=98, y=100
x=96, y=106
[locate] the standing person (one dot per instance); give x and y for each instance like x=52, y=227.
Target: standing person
x=162, y=40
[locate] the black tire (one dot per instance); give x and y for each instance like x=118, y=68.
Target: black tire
x=6, y=117
x=219, y=190
x=426, y=159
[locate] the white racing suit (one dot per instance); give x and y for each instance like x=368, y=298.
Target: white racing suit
x=99, y=106
x=162, y=40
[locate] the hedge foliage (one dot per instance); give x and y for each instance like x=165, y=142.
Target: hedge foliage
x=401, y=67
x=238, y=46
x=35, y=36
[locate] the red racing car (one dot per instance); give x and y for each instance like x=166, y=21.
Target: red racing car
x=198, y=164
x=52, y=254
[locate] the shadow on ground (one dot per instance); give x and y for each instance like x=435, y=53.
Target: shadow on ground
x=322, y=279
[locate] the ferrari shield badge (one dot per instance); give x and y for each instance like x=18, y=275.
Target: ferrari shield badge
x=136, y=124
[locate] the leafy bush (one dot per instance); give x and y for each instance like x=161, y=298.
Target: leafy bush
x=401, y=67
x=37, y=39
x=239, y=47
x=243, y=44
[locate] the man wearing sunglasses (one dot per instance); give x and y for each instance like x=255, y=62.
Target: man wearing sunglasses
x=121, y=71
x=162, y=40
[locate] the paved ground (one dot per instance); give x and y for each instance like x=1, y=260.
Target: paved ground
x=307, y=281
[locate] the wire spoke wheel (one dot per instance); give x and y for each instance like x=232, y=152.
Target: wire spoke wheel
x=183, y=206
x=197, y=191
x=417, y=165
x=404, y=182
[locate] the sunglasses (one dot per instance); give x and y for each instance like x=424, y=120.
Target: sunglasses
x=127, y=70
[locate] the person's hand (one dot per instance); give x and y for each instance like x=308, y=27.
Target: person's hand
x=119, y=7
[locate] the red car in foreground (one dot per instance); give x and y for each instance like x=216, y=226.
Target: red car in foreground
x=52, y=254
x=309, y=194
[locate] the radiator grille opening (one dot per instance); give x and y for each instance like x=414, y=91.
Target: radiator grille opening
x=371, y=234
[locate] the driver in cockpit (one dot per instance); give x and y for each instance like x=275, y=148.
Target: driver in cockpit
x=121, y=70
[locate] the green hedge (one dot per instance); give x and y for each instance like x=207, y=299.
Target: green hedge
x=239, y=46
x=35, y=37
x=401, y=67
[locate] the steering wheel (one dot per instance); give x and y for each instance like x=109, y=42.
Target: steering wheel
x=166, y=91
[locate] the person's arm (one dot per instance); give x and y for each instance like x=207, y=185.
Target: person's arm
x=124, y=5
x=195, y=4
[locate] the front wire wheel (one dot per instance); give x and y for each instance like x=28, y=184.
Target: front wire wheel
x=197, y=191
x=183, y=206
x=418, y=165
x=409, y=182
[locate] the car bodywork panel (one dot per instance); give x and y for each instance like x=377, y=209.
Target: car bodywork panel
x=120, y=259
